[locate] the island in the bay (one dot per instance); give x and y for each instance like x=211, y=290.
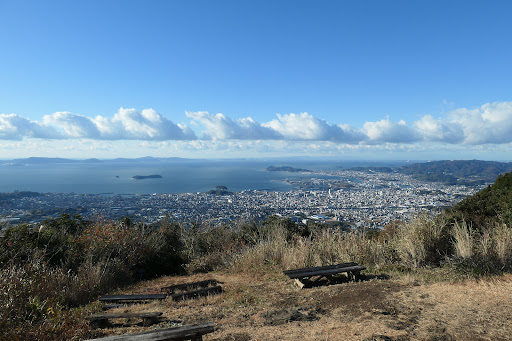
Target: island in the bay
x=286, y=169
x=140, y=177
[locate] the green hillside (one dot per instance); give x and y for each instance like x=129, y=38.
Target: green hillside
x=492, y=204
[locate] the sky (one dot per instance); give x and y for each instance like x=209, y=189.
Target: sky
x=347, y=79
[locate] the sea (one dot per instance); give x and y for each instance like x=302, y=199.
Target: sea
x=177, y=176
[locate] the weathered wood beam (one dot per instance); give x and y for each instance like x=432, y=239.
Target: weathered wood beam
x=335, y=266
x=191, y=332
x=325, y=272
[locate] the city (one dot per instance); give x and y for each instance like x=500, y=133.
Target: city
x=351, y=198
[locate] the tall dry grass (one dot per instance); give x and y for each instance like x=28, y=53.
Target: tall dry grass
x=422, y=243
x=322, y=248
x=502, y=237
x=464, y=241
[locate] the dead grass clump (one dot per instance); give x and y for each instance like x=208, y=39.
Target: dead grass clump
x=463, y=240
x=502, y=236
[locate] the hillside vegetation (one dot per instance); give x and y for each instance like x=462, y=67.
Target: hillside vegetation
x=49, y=274
x=490, y=206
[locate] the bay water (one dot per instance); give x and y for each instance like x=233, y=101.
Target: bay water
x=178, y=176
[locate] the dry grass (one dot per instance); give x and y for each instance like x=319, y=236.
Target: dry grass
x=324, y=249
x=260, y=303
x=472, y=310
x=464, y=240
x=267, y=306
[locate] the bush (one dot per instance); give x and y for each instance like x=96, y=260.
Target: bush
x=68, y=262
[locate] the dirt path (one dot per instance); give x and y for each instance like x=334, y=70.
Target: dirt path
x=270, y=307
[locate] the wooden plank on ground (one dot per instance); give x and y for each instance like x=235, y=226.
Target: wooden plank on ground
x=188, y=286
x=316, y=268
x=191, y=332
x=197, y=293
x=327, y=272
x=119, y=298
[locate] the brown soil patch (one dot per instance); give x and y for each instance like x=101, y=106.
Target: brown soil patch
x=269, y=307
x=358, y=298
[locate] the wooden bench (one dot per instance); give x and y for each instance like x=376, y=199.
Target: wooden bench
x=132, y=298
x=192, y=332
x=206, y=289
x=101, y=320
x=302, y=276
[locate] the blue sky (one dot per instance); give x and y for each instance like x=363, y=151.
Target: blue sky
x=348, y=79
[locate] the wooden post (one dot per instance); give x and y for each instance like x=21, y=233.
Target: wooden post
x=299, y=283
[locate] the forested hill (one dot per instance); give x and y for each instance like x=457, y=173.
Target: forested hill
x=457, y=172
x=491, y=205
x=484, y=170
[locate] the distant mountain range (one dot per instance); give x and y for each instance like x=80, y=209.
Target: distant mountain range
x=455, y=172
x=53, y=160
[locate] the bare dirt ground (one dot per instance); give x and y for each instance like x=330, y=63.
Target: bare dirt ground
x=271, y=307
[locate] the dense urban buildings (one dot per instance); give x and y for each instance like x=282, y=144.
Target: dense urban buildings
x=353, y=198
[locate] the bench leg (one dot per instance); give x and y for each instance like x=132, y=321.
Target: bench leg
x=197, y=338
x=299, y=283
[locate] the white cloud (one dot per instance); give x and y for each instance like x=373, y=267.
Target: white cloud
x=15, y=127
x=221, y=127
x=303, y=126
x=387, y=131
x=489, y=124
x=127, y=124
x=439, y=130
x=291, y=127
x=72, y=125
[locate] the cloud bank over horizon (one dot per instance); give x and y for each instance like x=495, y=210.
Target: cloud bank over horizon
x=489, y=124
x=126, y=124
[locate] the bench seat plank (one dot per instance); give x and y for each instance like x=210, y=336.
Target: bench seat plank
x=326, y=272
x=317, y=268
x=191, y=332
